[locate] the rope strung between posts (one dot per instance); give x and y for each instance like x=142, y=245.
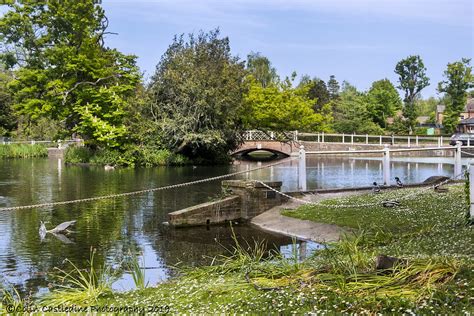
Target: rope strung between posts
x=168, y=187
x=466, y=153
x=404, y=197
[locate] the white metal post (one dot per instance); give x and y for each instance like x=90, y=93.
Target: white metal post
x=469, y=142
x=471, y=191
x=409, y=141
x=457, y=159
x=352, y=139
x=367, y=139
x=441, y=141
x=380, y=140
x=343, y=136
x=319, y=139
x=386, y=165
x=416, y=140
x=302, y=169
x=322, y=138
x=296, y=136
x=59, y=144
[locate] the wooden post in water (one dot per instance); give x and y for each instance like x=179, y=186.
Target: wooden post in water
x=302, y=169
x=386, y=165
x=471, y=191
x=457, y=159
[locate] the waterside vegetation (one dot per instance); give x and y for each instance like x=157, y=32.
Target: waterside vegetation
x=22, y=151
x=429, y=233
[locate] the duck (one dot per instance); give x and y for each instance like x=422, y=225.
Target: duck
x=375, y=188
x=109, y=167
x=399, y=183
x=390, y=203
x=439, y=189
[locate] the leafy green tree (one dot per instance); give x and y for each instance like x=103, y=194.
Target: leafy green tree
x=64, y=72
x=282, y=107
x=382, y=101
x=333, y=87
x=197, y=96
x=261, y=69
x=459, y=78
x=317, y=91
x=427, y=106
x=351, y=114
x=7, y=118
x=412, y=79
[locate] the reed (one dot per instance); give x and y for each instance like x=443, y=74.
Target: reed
x=22, y=151
x=80, y=286
x=136, y=266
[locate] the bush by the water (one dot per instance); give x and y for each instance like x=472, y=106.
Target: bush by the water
x=22, y=151
x=131, y=156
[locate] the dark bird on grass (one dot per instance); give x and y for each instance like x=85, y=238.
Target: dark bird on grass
x=375, y=188
x=440, y=189
x=391, y=203
x=399, y=183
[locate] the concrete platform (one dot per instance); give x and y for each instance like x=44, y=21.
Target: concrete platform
x=273, y=221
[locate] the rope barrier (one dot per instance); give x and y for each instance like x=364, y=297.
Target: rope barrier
x=173, y=186
x=466, y=153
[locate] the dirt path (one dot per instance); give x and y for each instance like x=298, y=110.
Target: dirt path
x=273, y=221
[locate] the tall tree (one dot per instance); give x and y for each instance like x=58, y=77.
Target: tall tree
x=459, y=78
x=64, y=72
x=282, y=107
x=197, y=96
x=261, y=68
x=382, y=101
x=412, y=79
x=351, y=114
x=7, y=118
x=318, y=92
x=333, y=87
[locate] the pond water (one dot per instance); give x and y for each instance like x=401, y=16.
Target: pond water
x=133, y=224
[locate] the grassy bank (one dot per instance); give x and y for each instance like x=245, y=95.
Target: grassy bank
x=131, y=156
x=429, y=232
x=22, y=151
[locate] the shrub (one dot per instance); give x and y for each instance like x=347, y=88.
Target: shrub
x=77, y=155
x=23, y=151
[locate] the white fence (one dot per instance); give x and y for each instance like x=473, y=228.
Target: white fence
x=362, y=139
x=386, y=152
x=53, y=143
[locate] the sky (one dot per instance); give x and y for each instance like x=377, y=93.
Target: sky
x=356, y=40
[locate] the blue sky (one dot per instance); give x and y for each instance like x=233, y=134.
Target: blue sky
x=357, y=40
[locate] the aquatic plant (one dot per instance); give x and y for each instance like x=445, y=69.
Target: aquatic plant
x=136, y=267
x=22, y=151
x=80, y=286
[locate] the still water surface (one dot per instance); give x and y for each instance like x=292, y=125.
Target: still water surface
x=133, y=224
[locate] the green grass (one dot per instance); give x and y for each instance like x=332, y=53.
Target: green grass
x=22, y=151
x=427, y=224
x=429, y=231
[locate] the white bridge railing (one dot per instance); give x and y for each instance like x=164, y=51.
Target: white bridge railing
x=54, y=143
x=385, y=152
x=362, y=139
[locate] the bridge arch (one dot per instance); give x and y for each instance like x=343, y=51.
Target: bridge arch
x=277, y=148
